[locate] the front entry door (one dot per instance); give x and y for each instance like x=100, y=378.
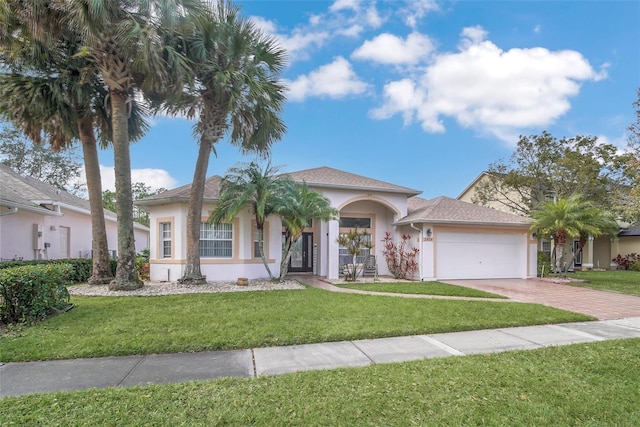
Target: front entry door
x=302, y=254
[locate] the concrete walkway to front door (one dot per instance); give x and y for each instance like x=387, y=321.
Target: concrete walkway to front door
x=599, y=304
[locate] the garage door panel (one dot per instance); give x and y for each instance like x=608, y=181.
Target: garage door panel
x=479, y=255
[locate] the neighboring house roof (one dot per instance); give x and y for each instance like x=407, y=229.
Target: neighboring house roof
x=473, y=183
x=181, y=194
x=444, y=210
x=27, y=193
x=326, y=177
x=630, y=232
x=11, y=200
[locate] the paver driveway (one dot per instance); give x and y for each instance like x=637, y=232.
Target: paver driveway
x=599, y=304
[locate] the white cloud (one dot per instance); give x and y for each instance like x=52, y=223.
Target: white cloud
x=297, y=42
x=373, y=17
x=334, y=80
x=154, y=178
x=416, y=10
x=537, y=29
x=488, y=89
x=339, y=5
x=390, y=49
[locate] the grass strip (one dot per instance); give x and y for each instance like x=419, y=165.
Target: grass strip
x=421, y=288
x=115, y=326
x=584, y=384
x=624, y=282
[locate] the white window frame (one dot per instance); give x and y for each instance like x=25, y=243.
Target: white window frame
x=165, y=238
x=216, y=233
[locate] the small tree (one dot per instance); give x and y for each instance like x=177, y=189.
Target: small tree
x=401, y=263
x=297, y=206
x=355, y=241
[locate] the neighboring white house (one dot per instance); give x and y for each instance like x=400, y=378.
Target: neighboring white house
x=39, y=221
x=456, y=239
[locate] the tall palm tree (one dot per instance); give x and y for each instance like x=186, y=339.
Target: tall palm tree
x=250, y=185
x=53, y=91
x=129, y=42
x=298, y=204
x=570, y=217
x=238, y=94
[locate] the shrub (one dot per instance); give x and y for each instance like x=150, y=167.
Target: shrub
x=82, y=267
x=636, y=266
x=29, y=293
x=142, y=265
x=402, y=263
x=626, y=262
x=543, y=261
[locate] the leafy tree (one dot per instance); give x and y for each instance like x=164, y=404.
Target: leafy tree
x=59, y=169
x=130, y=44
x=250, y=185
x=630, y=200
x=543, y=166
x=570, y=217
x=297, y=206
x=52, y=90
x=239, y=93
x=355, y=241
x=139, y=191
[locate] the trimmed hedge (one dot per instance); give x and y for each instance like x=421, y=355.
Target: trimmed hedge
x=82, y=267
x=30, y=293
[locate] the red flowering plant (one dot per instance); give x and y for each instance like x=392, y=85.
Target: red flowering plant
x=402, y=263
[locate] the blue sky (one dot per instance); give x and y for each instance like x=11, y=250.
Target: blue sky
x=426, y=94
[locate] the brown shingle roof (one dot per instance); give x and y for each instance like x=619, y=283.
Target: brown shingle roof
x=327, y=177
x=451, y=211
x=36, y=191
x=181, y=194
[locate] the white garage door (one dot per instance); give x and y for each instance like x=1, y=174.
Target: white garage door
x=480, y=255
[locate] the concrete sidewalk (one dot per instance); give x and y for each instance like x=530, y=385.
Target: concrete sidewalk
x=79, y=374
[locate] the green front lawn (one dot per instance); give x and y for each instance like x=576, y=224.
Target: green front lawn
x=421, y=288
x=625, y=282
x=587, y=384
x=110, y=326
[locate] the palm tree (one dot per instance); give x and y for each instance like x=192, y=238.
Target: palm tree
x=52, y=91
x=570, y=218
x=250, y=185
x=298, y=205
x=129, y=42
x=238, y=93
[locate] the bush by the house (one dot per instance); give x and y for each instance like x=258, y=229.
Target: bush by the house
x=142, y=265
x=31, y=292
x=82, y=267
x=544, y=264
x=627, y=262
x=402, y=263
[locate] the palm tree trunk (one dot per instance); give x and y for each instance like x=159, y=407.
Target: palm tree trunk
x=101, y=274
x=192, y=273
x=126, y=274
x=286, y=257
x=261, y=247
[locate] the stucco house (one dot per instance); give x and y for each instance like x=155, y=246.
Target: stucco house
x=597, y=253
x=39, y=221
x=456, y=239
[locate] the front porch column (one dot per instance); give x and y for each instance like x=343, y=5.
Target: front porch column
x=587, y=255
x=332, y=250
x=614, y=253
